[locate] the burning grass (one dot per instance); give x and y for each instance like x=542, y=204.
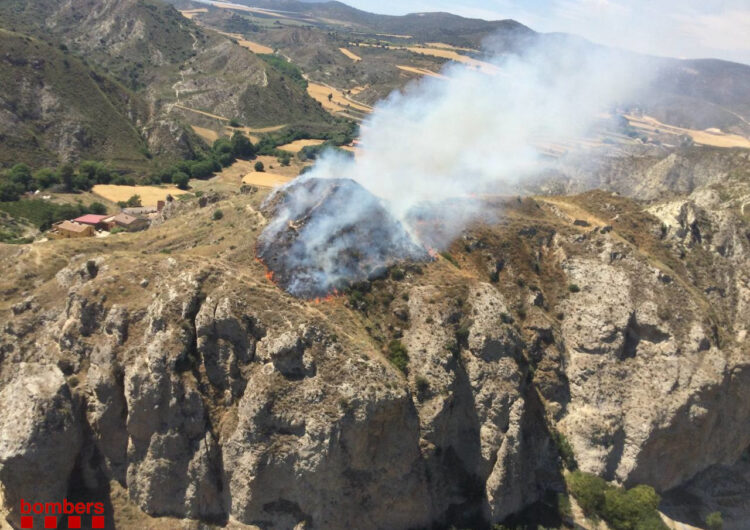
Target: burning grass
x=325, y=235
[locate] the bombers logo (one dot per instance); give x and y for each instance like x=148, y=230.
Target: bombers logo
x=76, y=513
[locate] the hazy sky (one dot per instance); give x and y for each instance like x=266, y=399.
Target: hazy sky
x=676, y=28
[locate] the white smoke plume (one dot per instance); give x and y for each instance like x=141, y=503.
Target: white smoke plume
x=474, y=133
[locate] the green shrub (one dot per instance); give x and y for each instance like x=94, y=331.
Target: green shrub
x=450, y=259
x=10, y=192
x=285, y=67
x=242, y=147
x=259, y=166
x=397, y=274
x=588, y=491
x=564, y=507
x=181, y=180
x=714, y=521
x=573, y=288
x=565, y=450
x=133, y=202
x=202, y=169
x=98, y=208
x=43, y=213
x=218, y=215
x=423, y=386
x=398, y=355
x=633, y=509
x=462, y=335
x=45, y=178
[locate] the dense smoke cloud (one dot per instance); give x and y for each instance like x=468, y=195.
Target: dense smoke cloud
x=477, y=132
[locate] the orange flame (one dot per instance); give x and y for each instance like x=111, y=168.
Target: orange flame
x=330, y=297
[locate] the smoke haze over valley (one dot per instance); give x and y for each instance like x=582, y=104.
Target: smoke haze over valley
x=470, y=133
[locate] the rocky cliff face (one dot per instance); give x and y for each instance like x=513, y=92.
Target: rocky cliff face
x=207, y=393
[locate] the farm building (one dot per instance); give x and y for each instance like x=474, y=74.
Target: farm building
x=144, y=211
x=70, y=230
x=97, y=221
x=128, y=222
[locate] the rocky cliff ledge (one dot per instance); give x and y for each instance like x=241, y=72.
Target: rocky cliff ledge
x=187, y=386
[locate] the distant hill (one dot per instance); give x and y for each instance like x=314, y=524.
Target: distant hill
x=54, y=107
x=440, y=27
x=696, y=94
x=164, y=64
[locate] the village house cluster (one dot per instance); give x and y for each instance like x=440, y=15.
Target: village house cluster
x=129, y=219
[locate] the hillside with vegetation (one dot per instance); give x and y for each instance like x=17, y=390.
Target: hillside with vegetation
x=694, y=94
x=55, y=107
x=213, y=342
x=156, y=74
x=464, y=390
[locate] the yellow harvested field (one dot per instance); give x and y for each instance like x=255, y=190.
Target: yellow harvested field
x=207, y=134
x=252, y=133
x=149, y=194
x=420, y=71
x=265, y=179
x=357, y=89
x=396, y=36
x=448, y=47
x=233, y=175
x=443, y=53
x=338, y=103
x=190, y=13
x=257, y=130
x=454, y=56
x=250, y=45
x=238, y=7
x=351, y=55
x=298, y=145
x=712, y=137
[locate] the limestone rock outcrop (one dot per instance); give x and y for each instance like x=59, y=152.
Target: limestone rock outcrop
x=41, y=435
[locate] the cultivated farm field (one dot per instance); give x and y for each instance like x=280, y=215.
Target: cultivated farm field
x=298, y=145
x=150, y=195
x=354, y=57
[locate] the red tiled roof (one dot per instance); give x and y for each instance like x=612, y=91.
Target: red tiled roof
x=90, y=219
